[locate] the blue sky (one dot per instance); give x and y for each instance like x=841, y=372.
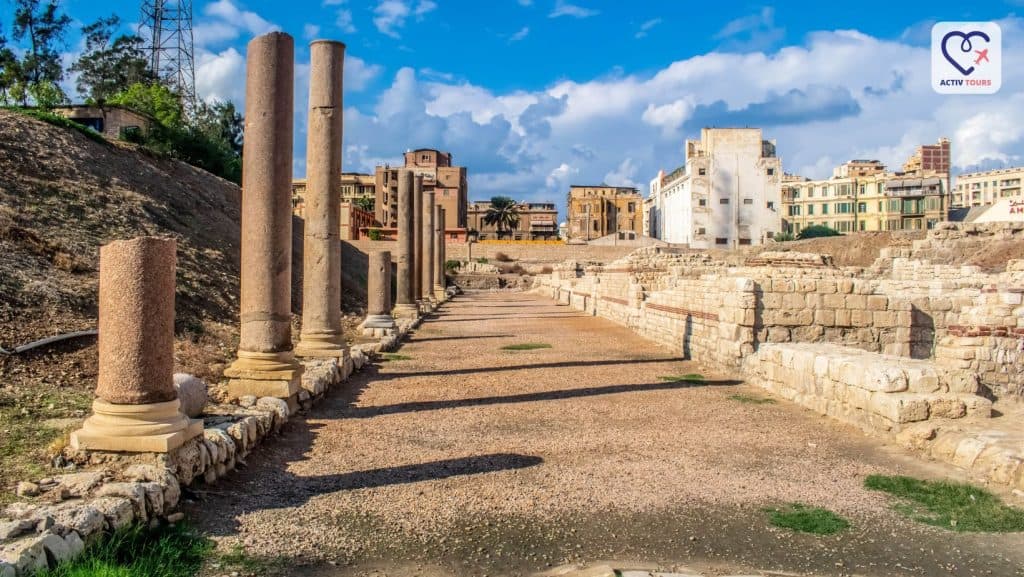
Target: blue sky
x=534, y=94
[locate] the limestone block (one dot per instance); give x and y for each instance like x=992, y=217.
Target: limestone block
x=117, y=512
x=27, y=555
x=80, y=484
x=900, y=407
x=877, y=302
x=134, y=492
x=967, y=451
x=946, y=408
x=86, y=520
x=192, y=392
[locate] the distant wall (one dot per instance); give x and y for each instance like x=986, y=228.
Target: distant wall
x=540, y=253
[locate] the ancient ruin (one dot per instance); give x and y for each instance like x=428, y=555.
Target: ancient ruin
x=405, y=300
x=321, y=335
x=137, y=406
x=266, y=364
x=429, y=248
x=379, y=321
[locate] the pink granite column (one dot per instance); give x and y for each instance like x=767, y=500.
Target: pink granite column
x=417, y=237
x=321, y=335
x=439, y=276
x=405, y=303
x=429, y=232
x=266, y=364
x=137, y=408
x=378, y=294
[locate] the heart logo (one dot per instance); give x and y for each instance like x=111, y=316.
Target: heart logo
x=965, y=47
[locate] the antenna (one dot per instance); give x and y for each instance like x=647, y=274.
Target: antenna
x=166, y=30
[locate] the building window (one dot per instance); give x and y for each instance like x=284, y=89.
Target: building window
x=862, y=226
x=702, y=171
x=771, y=234
x=810, y=210
x=632, y=207
x=771, y=205
x=701, y=232
x=723, y=201
x=824, y=209
x=862, y=207
x=748, y=201
x=771, y=172
x=746, y=240
x=702, y=202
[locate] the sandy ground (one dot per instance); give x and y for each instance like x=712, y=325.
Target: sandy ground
x=470, y=460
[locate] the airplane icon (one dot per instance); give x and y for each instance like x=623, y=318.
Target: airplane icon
x=982, y=55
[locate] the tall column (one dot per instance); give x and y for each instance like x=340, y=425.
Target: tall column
x=429, y=241
x=378, y=294
x=321, y=335
x=439, y=280
x=137, y=407
x=417, y=237
x=405, y=303
x=266, y=364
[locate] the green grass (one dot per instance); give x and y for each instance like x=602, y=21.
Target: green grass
x=689, y=378
x=388, y=357
x=239, y=560
x=956, y=506
x=805, y=519
x=177, y=551
x=526, y=347
x=751, y=399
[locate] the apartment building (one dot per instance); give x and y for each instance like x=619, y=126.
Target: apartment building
x=537, y=221
x=599, y=210
x=989, y=187
x=449, y=183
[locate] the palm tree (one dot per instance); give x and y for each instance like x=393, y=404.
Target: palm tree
x=503, y=213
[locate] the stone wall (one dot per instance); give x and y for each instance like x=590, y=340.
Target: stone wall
x=539, y=253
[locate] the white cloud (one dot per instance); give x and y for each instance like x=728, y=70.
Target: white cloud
x=623, y=174
x=358, y=74
x=225, y=21
x=519, y=35
x=310, y=31
x=564, y=8
x=669, y=117
x=392, y=14
x=754, y=32
x=221, y=76
x=646, y=27
x=558, y=178
x=343, y=20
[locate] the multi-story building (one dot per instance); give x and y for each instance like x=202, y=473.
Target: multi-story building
x=989, y=187
x=449, y=183
x=354, y=185
x=537, y=221
x=599, y=210
x=929, y=158
x=863, y=196
x=726, y=194
x=355, y=222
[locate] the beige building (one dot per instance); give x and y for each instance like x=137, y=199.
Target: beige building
x=863, y=196
x=985, y=188
x=537, y=221
x=449, y=183
x=354, y=185
x=599, y=210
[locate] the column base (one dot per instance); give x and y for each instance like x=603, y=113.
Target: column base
x=379, y=322
x=149, y=428
x=405, y=311
x=321, y=346
x=439, y=294
x=265, y=375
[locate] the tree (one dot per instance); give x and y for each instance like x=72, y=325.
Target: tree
x=220, y=121
x=153, y=99
x=503, y=213
x=109, y=67
x=8, y=70
x=365, y=203
x=40, y=70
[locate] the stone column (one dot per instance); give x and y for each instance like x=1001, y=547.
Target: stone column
x=439, y=279
x=429, y=241
x=266, y=364
x=417, y=237
x=405, y=302
x=137, y=407
x=378, y=295
x=321, y=335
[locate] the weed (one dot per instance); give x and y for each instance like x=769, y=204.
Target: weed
x=169, y=551
x=752, y=399
x=805, y=519
x=956, y=506
x=525, y=347
x=689, y=378
x=388, y=357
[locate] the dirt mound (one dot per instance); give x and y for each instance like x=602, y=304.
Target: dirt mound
x=62, y=196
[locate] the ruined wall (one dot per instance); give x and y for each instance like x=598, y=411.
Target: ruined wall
x=539, y=253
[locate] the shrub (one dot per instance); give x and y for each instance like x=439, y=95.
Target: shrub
x=818, y=231
x=452, y=265
x=482, y=260
x=502, y=257
x=511, y=269
x=784, y=237
x=374, y=234
x=58, y=120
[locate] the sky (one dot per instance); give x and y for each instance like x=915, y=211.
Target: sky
x=534, y=95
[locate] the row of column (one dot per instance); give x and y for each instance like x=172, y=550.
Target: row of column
x=137, y=408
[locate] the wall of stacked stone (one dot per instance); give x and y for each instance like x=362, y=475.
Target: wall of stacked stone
x=867, y=390
x=949, y=240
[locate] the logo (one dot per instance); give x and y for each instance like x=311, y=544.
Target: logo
x=967, y=57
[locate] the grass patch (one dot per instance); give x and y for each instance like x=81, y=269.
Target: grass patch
x=688, y=378
x=177, y=551
x=956, y=506
x=526, y=347
x=239, y=560
x=751, y=399
x=805, y=519
x=388, y=357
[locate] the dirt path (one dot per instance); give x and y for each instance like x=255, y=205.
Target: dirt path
x=470, y=460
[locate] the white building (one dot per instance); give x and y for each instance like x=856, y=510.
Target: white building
x=985, y=188
x=727, y=194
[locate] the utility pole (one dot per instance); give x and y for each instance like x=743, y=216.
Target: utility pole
x=166, y=30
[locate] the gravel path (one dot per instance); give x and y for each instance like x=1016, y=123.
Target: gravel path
x=467, y=457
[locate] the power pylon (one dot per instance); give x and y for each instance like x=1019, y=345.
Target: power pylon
x=166, y=29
